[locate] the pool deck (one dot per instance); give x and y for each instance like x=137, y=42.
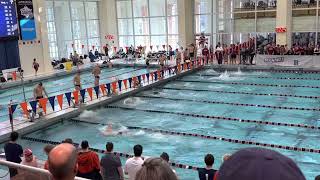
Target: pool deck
x=25, y=127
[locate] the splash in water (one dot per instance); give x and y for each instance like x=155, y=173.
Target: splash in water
x=133, y=101
x=211, y=71
x=114, y=129
x=86, y=114
x=225, y=76
x=239, y=72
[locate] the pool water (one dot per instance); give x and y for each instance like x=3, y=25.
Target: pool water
x=61, y=85
x=181, y=96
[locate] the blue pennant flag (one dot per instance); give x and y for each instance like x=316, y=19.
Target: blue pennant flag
x=139, y=79
x=83, y=94
x=181, y=66
x=33, y=105
x=109, y=88
x=120, y=83
x=170, y=69
x=68, y=96
x=148, y=75
x=130, y=81
x=13, y=108
x=162, y=72
x=155, y=76
x=96, y=89
x=51, y=101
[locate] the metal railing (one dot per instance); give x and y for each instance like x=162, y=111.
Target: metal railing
x=29, y=172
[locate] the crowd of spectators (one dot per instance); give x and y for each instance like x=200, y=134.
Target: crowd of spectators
x=273, y=49
x=66, y=161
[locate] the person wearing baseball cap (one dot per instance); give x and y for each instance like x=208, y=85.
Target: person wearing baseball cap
x=259, y=163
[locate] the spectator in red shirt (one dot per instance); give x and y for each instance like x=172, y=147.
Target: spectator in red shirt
x=88, y=163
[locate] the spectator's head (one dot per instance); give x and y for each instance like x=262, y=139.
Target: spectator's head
x=209, y=160
x=84, y=145
x=155, y=169
x=48, y=148
x=317, y=177
x=40, y=83
x=109, y=146
x=14, y=136
x=254, y=163
x=137, y=150
x=165, y=156
x=68, y=140
x=226, y=157
x=28, y=156
x=63, y=162
x=34, y=60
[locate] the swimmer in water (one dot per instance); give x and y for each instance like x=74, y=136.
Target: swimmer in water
x=108, y=131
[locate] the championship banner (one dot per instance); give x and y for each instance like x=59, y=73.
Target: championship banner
x=26, y=20
x=288, y=60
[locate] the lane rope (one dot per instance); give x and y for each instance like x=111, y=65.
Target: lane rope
x=235, y=141
x=246, y=93
x=266, y=77
x=252, y=84
x=219, y=118
x=231, y=103
x=119, y=154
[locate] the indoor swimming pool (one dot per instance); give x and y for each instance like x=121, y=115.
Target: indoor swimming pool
x=259, y=107
x=62, y=85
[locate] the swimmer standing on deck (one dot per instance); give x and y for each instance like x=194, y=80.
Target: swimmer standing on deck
x=77, y=81
x=38, y=94
x=96, y=72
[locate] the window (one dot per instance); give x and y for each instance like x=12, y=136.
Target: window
x=77, y=25
x=147, y=22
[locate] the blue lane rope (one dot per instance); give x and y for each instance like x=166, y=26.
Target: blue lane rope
x=119, y=154
x=251, y=84
x=246, y=93
x=235, y=141
x=219, y=118
x=231, y=103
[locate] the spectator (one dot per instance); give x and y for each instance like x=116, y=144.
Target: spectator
x=13, y=152
x=29, y=160
x=91, y=56
x=133, y=164
x=155, y=169
x=111, y=165
x=88, y=162
x=207, y=172
x=47, y=149
x=255, y=163
x=165, y=156
x=68, y=140
x=63, y=162
x=226, y=157
x=317, y=177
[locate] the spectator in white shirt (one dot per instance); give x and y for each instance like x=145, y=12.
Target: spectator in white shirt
x=133, y=165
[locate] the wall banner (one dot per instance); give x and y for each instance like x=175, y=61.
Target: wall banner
x=26, y=20
x=288, y=60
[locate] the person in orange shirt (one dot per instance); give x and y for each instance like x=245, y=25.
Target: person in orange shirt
x=88, y=163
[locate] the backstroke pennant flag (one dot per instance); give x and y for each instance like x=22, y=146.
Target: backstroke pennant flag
x=139, y=79
x=125, y=84
x=33, y=105
x=155, y=76
x=24, y=107
x=90, y=92
x=96, y=89
x=43, y=103
x=144, y=77
x=109, y=88
x=151, y=74
x=51, y=101
x=103, y=89
x=119, y=84
x=130, y=82
x=76, y=96
x=114, y=87
x=148, y=75
x=13, y=108
x=60, y=100
x=68, y=96
x=83, y=94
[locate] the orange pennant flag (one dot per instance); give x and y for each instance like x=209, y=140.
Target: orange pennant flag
x=134, y=79
x=144, y=77
x=14, y=75
x=103, y=89
x=90, y=92
x=159, y=74
x=114, y=87
x=152, y=76
x=125, y=83
x=60, y=100
x=43, y=103
x=76, y=96
x=179, y=67
x=24, y=107
x=185, y=66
